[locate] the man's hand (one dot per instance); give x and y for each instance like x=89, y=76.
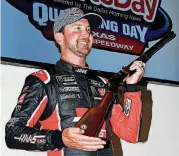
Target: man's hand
x=74, y=138
x=139, y=66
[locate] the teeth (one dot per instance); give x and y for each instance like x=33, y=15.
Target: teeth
x=84, y=43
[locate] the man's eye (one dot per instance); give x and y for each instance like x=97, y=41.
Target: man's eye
x=78, y=28
x=89, y=30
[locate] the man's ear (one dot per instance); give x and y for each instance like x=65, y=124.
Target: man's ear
x=59, y=38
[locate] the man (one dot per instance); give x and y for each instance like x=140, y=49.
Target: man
x=51, y=103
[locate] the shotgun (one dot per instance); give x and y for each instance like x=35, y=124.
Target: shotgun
x=92, y=121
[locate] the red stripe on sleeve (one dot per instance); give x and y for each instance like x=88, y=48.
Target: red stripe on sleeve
x=37, y=113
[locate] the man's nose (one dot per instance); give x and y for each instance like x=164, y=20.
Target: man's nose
x=85, y=33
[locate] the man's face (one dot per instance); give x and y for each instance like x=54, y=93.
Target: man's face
x=77, y=38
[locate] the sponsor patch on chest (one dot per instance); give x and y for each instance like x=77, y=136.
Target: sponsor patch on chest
x=97, y=83
x=98, y=93
x=66, y=96
x=66, y=80
x=69, y=89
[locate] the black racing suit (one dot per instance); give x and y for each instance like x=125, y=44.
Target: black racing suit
x=49, y=103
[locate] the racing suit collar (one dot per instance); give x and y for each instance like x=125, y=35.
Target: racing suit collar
x=71, y=68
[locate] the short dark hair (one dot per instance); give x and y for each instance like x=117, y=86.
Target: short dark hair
x=56, y=44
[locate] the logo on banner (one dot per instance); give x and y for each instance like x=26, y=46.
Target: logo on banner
x=129, y=25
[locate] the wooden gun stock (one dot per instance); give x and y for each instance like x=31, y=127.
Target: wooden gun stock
x=92, y=121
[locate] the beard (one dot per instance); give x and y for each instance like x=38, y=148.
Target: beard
x=79, y=50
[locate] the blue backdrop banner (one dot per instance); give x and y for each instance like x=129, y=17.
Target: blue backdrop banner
x=130, y=27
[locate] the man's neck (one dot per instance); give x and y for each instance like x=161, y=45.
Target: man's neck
x=76, y=61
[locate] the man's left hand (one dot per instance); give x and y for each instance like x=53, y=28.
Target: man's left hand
x=139, y=66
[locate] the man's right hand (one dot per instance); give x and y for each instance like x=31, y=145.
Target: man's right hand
x=74, y=138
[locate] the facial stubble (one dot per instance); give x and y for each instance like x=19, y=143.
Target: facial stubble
x=77, y=50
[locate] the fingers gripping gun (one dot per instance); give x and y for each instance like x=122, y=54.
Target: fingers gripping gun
x=91, y=122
